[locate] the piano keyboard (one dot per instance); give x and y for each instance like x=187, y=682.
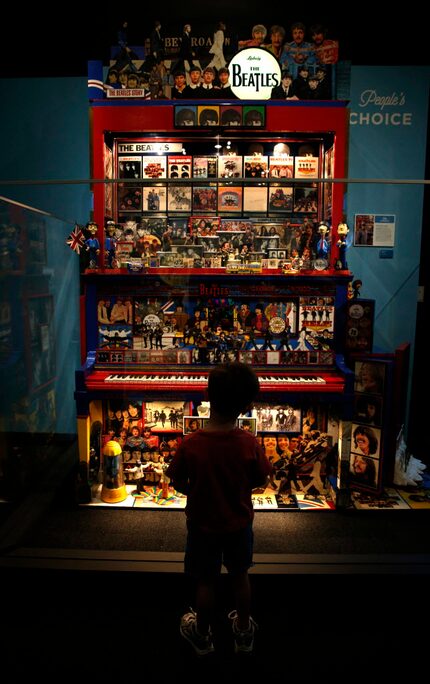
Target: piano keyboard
x=202, y=379
x=179, y=381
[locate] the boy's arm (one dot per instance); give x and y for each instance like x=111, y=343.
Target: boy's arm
x=177, y=472
x=262, y=470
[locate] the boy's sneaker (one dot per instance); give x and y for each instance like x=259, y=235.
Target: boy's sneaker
x=202, y=643
x=243, y=641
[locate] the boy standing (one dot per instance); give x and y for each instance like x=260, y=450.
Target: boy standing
x=217, y=468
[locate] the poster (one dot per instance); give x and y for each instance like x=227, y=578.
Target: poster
x=374, y=230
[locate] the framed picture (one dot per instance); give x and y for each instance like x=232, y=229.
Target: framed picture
x=247, y=424
x=369, y=377
x=208, y=115
x=359, y=325
x=366, y=440
x=368, y=409
x=254, y=116
x=191, y=424
x=185, y=116
x=230, y=115
x=364, y=472
x=204, y=225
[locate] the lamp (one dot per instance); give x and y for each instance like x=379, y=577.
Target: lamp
x=113, y=489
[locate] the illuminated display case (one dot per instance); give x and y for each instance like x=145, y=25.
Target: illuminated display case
x=215, y=244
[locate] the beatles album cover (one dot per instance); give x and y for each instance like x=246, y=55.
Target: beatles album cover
x=179, y=166
x=281, y=166
x=255, y=166
x=255, y=198
x=388, y=500
x=230, y=166
x=205, y=167
x=129, y=198
x=305, y=199
x=280, y=198
x=154, y=198
x=230, y=198
x=306, y=167
x=129, y=167
x=154, y=167
x=204, y=198
x=179, y=198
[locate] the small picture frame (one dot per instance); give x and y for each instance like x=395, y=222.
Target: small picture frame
x=192, y=424
x=366, y=440
x=248, y=424
x=369, y=377
x=185, y=116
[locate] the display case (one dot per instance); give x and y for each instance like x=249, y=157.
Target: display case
x=215, y=243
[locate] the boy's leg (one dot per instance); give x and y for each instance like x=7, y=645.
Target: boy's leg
x=242, y=594
x=205, y=602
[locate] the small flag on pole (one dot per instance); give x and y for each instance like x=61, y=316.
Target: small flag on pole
x=76, y=239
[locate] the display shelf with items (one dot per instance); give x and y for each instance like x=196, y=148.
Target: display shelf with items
x=219, y=245
x=272, y=183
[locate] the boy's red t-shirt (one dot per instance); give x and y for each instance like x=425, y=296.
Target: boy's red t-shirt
x=218, y=471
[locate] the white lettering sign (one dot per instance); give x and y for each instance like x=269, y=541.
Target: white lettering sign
x=382, y=102
x=149, y=147
x=253, y=74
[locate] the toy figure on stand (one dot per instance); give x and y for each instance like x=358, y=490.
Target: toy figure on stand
x=342, y=231
x=322, y=244
x=92, y=244
x=110, y=244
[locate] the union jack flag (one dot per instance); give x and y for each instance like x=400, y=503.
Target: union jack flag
x=76, y=239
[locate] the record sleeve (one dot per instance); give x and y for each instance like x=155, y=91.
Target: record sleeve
x=306, y=167
x=179, y=198
x=230, y=166
x=205, y=167
x=154, y=198
x=154, y=167
x=179, y=166
x=281, y=166
x=230, y=198
x=255, y=198
x=255, y=166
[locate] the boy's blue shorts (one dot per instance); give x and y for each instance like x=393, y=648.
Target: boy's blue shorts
x=205, y=552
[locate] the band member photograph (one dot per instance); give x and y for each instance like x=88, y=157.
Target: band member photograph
x=365, y=440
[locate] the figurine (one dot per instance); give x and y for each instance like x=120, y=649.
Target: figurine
x=342, y=231
x=110, y=244
x=322, y=244
x=92, y=244
x=356, y=287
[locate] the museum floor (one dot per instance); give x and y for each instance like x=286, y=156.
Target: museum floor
x=97, y=593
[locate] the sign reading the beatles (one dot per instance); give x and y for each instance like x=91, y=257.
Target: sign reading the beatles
x=253, y=74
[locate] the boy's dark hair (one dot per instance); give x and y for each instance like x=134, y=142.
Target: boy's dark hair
x=232, y=387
